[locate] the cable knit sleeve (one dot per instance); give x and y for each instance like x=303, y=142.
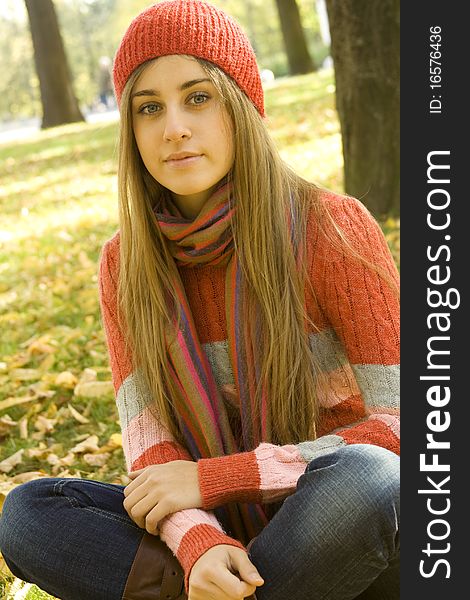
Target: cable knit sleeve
x=188, y=533
x=357, y=347
x=362, y=315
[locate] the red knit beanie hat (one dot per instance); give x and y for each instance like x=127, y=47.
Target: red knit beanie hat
x=192, y=27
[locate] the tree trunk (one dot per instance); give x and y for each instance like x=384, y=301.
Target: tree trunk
x=298, y=55
x=365, y=46
x=58, y=100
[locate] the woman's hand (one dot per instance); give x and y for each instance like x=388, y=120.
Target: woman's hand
x=159, y=490
x=223, y=573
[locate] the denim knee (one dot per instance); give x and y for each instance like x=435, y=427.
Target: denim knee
x=18, y=514
x=363, y=477
x=377, y=469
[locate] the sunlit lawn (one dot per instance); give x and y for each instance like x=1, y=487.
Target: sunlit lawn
x=58, y=206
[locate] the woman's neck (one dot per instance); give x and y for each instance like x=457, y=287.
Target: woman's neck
x=190, y=206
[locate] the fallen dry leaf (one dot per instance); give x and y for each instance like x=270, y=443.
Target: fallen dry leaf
x=25, y=374
x=76, y=415
x=6, y=424
x=88, y=375
x=42, y=451
x=12, y=461
x=66, y=379
x=7, y=420
x=88, y=445
x=96, y=460
x=116, y=439
x=51, y=411
x=47, y=363
x=80, y=437
x=68, y=460
x=53, y=459
x=39, y=452
x=65, y=473
x=23, y=426
x=44, y=425
x=28, y=476
x=14, y=401
x=41, y=389
x=93, y=389
x=5, y=489
x=40, y=347
x=19, y=360
x=114, y=442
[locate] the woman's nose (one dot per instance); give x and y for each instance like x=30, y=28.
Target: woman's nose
x=176, y=126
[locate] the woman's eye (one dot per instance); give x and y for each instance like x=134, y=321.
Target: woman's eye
x=149, y=109
x=199, y=98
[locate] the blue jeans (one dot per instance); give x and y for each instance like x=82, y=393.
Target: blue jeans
x=335, y=538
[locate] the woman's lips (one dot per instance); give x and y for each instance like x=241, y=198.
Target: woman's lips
x=182, y=163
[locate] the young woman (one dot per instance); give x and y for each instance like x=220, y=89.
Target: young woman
x=252, y=326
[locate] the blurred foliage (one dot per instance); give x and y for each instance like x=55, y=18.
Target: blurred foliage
x=58, y=206
x=93, y=28
x=85, y=27
x=19, y=92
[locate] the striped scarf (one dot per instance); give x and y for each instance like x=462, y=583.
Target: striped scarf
x=199, y=405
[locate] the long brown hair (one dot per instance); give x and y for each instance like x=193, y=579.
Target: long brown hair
x=275, y=283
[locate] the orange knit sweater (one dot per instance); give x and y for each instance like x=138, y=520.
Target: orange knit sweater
x=356, y=345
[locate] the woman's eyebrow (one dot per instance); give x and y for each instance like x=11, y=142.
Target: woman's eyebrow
x=192, y=82
x=183, y=86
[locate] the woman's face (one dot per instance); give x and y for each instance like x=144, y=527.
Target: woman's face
x=182, y=130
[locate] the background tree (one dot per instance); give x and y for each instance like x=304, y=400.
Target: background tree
x=89, y=33
x=365, y=39
x=17, y=93
x=58, y=100
x=297, y=52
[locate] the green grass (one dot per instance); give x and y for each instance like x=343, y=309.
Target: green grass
x=36, y=594
x=58, y=206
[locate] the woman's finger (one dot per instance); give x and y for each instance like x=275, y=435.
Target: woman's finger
x=156, y=514
x=134, y=474
x=141, y=509
x=133, y=485
x=246, y=569
x=231, y=585
x=133, y=498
